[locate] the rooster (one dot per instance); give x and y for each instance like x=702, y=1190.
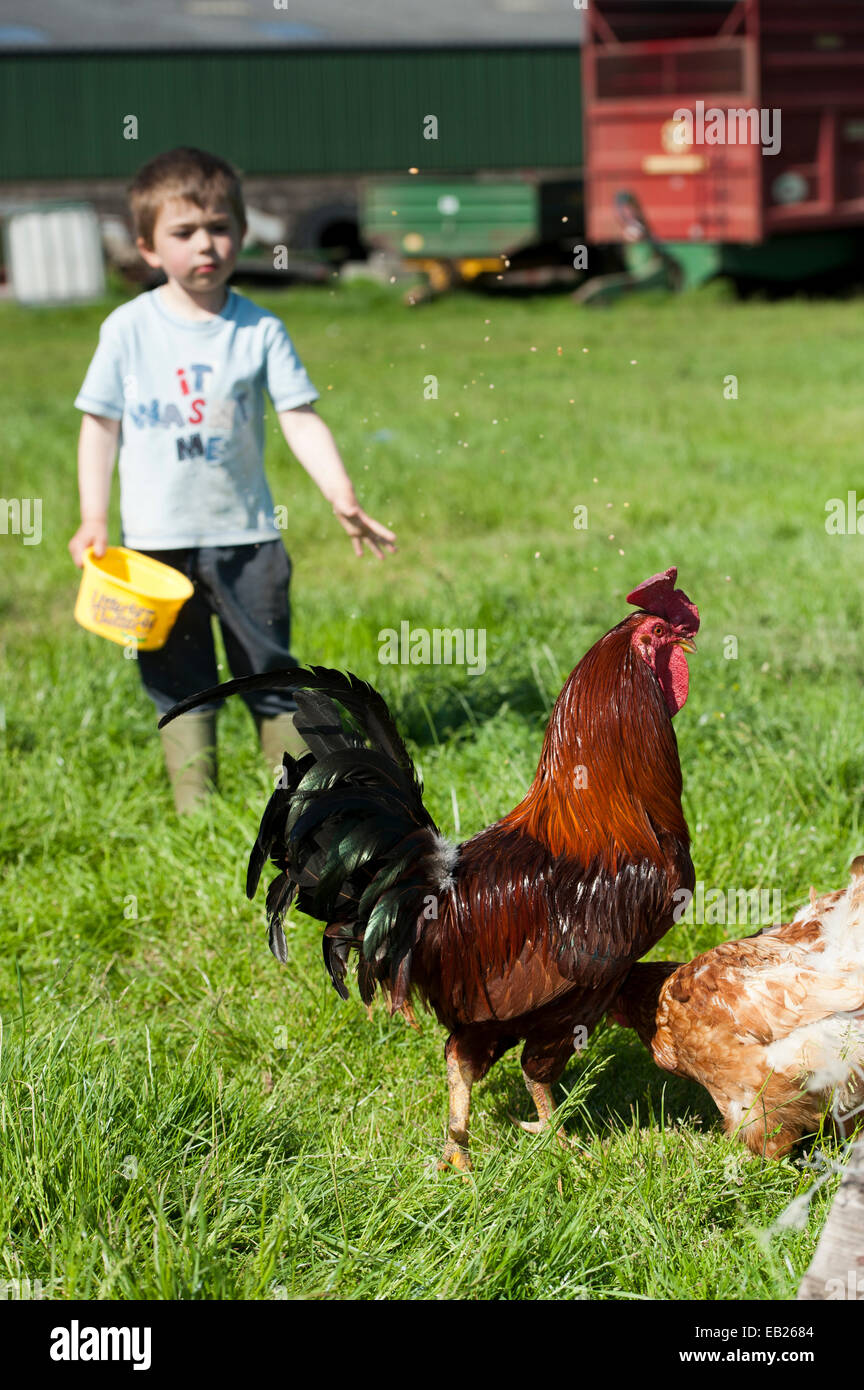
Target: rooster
x=771, y=1026
x=526, y=931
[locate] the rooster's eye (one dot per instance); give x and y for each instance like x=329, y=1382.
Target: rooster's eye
x=658, y=629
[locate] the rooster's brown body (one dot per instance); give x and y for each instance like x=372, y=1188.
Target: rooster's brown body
x=550, y=907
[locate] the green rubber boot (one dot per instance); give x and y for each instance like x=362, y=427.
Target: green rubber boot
x=278, y=735
x=189, y=748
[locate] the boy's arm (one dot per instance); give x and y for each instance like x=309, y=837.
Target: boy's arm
x=312, y=444
x=97, y=446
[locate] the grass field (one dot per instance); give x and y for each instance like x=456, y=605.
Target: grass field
x=180, y=1117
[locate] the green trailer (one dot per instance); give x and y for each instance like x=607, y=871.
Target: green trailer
x=495, y=231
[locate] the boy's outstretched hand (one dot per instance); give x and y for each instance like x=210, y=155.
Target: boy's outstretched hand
x=311, y=442
x=93, y=533
x=362, y=528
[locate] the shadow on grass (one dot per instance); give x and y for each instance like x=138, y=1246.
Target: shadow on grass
x=431, y=712
x=629, y=1088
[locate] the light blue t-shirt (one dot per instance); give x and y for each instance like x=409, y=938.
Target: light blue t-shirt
x=190, y=398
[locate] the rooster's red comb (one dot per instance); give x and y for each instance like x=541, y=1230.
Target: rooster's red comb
x=659, y=596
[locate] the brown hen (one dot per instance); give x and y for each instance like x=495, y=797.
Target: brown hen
x=772, y=1026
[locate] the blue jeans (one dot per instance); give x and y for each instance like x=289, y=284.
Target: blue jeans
x=246, y=587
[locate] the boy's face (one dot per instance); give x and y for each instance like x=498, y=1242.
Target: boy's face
x=195, y=246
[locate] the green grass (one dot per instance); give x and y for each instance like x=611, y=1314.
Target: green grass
x=179, y=1116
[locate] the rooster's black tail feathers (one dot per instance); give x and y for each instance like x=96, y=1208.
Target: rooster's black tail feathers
x=347, y=828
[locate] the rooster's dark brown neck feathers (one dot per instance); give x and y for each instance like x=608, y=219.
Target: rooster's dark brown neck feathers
x=609, y=781
x=639, y=997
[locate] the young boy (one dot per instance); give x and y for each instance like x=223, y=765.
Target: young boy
x=179, y=378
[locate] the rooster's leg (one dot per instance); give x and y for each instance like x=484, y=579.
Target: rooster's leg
x=460, y=1078
x=542, y=1098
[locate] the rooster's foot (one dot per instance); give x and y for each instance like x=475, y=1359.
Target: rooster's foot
x=541, y=1094
x=538, y=1126
x=454, y=1156
x=459, y=1080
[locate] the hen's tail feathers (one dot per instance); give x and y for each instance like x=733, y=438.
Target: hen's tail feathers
x=347, y=828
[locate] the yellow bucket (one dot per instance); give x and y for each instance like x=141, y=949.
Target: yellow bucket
x=127, y=597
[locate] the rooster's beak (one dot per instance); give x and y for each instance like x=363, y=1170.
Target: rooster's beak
x=686, y=643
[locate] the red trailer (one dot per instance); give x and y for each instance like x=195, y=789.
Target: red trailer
x=727, y=122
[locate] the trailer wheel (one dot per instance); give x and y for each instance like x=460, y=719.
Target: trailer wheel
x=333, y=230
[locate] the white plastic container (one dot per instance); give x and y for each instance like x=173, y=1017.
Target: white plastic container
x=54, y=254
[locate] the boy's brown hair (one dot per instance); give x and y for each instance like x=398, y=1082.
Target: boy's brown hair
x=203, y=179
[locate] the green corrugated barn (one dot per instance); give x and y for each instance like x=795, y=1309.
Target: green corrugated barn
x=291, y=112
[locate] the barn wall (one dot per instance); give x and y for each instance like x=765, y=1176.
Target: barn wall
x=303, y=112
